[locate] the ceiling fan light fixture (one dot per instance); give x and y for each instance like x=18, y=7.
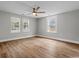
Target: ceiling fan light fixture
x=34, y=14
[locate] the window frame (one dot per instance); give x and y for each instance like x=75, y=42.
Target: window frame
x=26, y=20
x=15, y=19
x=52, y=18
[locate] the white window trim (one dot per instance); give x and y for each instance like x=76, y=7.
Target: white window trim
x=15, y=31
x=28, y=29
x=51, y=17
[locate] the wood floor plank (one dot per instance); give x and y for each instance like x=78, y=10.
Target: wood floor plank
x=38, y=47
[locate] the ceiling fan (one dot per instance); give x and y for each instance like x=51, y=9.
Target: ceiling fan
x=35, y=11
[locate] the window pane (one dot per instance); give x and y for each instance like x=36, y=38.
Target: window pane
x=25, y=25
x=15, y=25
x=52, y=24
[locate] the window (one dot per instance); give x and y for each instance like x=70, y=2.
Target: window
x=15, y=24
x=25, y=25
x=52, y=24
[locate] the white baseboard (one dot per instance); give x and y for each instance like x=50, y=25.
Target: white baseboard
x=57, y=38
x=17, y=38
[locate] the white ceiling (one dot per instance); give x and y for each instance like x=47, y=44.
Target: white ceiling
x=50, y=7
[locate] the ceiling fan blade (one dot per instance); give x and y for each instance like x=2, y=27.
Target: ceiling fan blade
x=33, y=10
x=37, y=8
x=40, y=12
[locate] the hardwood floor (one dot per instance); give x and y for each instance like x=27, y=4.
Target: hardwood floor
x=38, y=47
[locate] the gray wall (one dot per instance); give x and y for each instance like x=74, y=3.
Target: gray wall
x=5, y=32
x=67, y=24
